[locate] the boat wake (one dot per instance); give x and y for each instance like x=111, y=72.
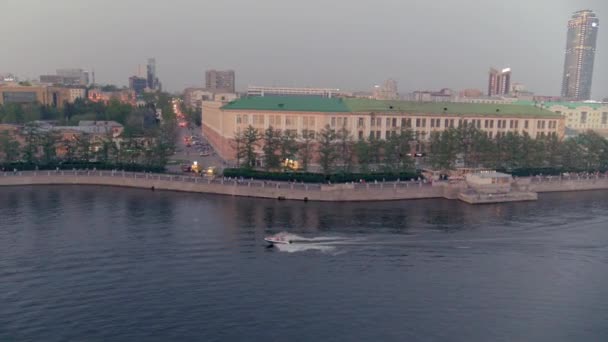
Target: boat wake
x=299, y=243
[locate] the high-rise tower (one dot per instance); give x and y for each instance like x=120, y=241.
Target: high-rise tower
x=580, y=55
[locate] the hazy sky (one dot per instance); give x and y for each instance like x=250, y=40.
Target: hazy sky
x=347, y=44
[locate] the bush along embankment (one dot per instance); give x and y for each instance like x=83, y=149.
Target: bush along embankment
x=7, y=167
x=308, y=177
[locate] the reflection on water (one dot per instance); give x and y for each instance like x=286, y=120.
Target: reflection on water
x=111, y=264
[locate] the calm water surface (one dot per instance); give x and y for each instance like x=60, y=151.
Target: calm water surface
x=108, y=264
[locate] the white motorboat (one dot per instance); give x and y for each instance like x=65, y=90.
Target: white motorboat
x=280, y=238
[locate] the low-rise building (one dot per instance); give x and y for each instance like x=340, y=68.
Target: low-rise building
x=289, y=91
x=194, y=97
x=578, y=116
x=124, y=96
x=366, y=118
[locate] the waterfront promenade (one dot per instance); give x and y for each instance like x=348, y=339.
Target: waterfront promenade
x=381, y=191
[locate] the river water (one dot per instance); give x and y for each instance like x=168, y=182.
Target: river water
x=110, y=264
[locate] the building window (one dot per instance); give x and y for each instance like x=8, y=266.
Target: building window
x=245, y=119
x=258, y=120
x=388, y=122
x=526, y=124
x=388, y=135
x=432, y=123
x=417, y=122
x=394, y=122
x=604, y=118
x=360, y=135
x=290, y=121
x=361, y=123
x=423, y=122
x=373, y=122
x=238, y=119
x=486, y=124
x=451, y=123
x=490, y=134
x=378, y=135
x=583, y=117
x=333, y=122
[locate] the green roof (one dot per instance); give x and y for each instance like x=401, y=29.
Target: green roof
x=452, y=108
x=356, y=105
x=569, y=105
x=289, y=103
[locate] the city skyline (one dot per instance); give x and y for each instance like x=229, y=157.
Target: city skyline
x=307, y=50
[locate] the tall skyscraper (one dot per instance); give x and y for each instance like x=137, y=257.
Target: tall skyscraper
x=499, y=82
x=580, y=55
x=220, y=81
x=151, y=74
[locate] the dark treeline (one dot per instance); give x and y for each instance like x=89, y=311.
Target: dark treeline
x=46, y=149
x=337, y=152
x=140, y=147
x=517, y=153
x=135, y=119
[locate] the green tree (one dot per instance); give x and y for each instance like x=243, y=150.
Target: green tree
x=327, y=149
x=48, y=143
x=83, y=147
x=345, y=149
x=238, y=144
x=31, y=133
x=9, y=147
x=306, y=147
x=396, y=151
x=272, y=143
x=107, y=149
x=362, y=151
x=251, y=138
x=288, y=149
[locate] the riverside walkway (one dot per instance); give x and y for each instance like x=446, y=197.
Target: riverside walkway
x=373, y=191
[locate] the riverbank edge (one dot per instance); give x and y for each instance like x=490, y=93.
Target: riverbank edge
x=286, y=191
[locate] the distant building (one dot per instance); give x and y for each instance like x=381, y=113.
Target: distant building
x=287, y=91
x=387, y=91
x=138, y=84
x=444, y=95
x=193, y=97
x=220, y=81
x=67, y=77
x=151, y=78
x=52, y=79
x=580, y=55
x=74, y=76
x=76, y=93
x=499, y=82
x=23, y=95
x=579, y=116
x=123, y=96
x=8, y=78
x=471, y=93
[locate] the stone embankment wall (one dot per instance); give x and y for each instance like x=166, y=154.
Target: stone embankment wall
x=312, y=192
x=292, y=191
x=562, y=184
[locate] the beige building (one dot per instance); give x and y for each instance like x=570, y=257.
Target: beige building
x=579, y=116
x=13, y=93
x=366, y=118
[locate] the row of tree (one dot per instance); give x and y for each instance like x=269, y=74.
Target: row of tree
x=48, y=147
x=465, y=146
x=134, y=119
x=471, y=147
x=335, y=151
